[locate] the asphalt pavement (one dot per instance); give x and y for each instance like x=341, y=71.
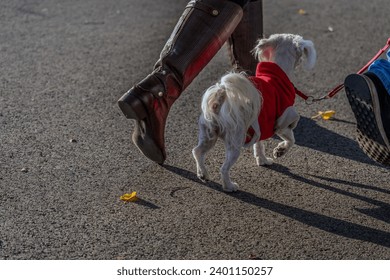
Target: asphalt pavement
x=66, y=156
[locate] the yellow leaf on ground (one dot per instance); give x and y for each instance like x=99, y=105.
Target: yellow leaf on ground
x=129, y=197
x=302, y=12
x=325, y=115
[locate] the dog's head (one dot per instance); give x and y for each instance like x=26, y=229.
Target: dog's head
x=286, y=50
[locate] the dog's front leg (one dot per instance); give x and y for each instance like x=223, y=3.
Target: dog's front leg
x=287, y=135
x=259, y=152
x=232, y=154
x=207, y=140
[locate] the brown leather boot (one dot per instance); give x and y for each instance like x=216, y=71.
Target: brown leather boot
x=243, y=39
x=201, y=31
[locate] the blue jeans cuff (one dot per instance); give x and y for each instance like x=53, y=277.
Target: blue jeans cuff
x=381, y=68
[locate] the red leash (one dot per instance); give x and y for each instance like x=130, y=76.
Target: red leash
x=311, y=99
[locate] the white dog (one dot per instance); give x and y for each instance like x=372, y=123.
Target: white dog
x=244, y=111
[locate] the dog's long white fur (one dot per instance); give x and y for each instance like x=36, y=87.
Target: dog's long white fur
x=231, y=106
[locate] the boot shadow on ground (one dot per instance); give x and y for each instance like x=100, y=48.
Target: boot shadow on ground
x=325, y=223
x=310, y=135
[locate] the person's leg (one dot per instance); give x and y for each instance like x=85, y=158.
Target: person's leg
x=244, y=38
x=200, y=32
x=370, y=102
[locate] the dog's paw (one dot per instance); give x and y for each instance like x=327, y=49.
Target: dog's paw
x=264, y=161
x=230, y=187
x=279, y=151
x=203, y=176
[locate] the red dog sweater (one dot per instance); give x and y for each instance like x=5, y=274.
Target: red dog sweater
x=278, y=94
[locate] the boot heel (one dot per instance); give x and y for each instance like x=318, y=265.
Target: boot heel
x=132, y=107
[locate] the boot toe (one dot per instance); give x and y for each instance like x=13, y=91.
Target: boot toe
x=147, y=145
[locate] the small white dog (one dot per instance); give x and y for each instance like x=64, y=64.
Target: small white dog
x=244, y=111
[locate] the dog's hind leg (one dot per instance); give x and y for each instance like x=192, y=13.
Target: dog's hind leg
x=259, y=153
x=284, y=129
x=232, y=154
x=207, y=140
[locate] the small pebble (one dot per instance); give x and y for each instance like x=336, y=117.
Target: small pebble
x=24, y=170
x=73, y=141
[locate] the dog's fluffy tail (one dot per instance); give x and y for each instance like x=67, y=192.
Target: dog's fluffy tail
x=232, y=105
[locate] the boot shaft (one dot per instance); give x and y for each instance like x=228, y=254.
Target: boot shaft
x=199, y=34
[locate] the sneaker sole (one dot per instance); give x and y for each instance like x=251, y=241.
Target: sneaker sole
x=364, y=102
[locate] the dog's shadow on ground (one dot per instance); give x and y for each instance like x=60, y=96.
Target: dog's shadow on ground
x=311, y=135
x=328, y=224
x=381, y=212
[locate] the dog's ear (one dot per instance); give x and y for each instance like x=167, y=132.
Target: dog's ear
x=307, y=48
x=263, y=50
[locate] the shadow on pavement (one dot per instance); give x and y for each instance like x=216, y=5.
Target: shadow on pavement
x=352, y=184
x=310, y=135
x=147, y=204
x=325, y=223
x=382, y=212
